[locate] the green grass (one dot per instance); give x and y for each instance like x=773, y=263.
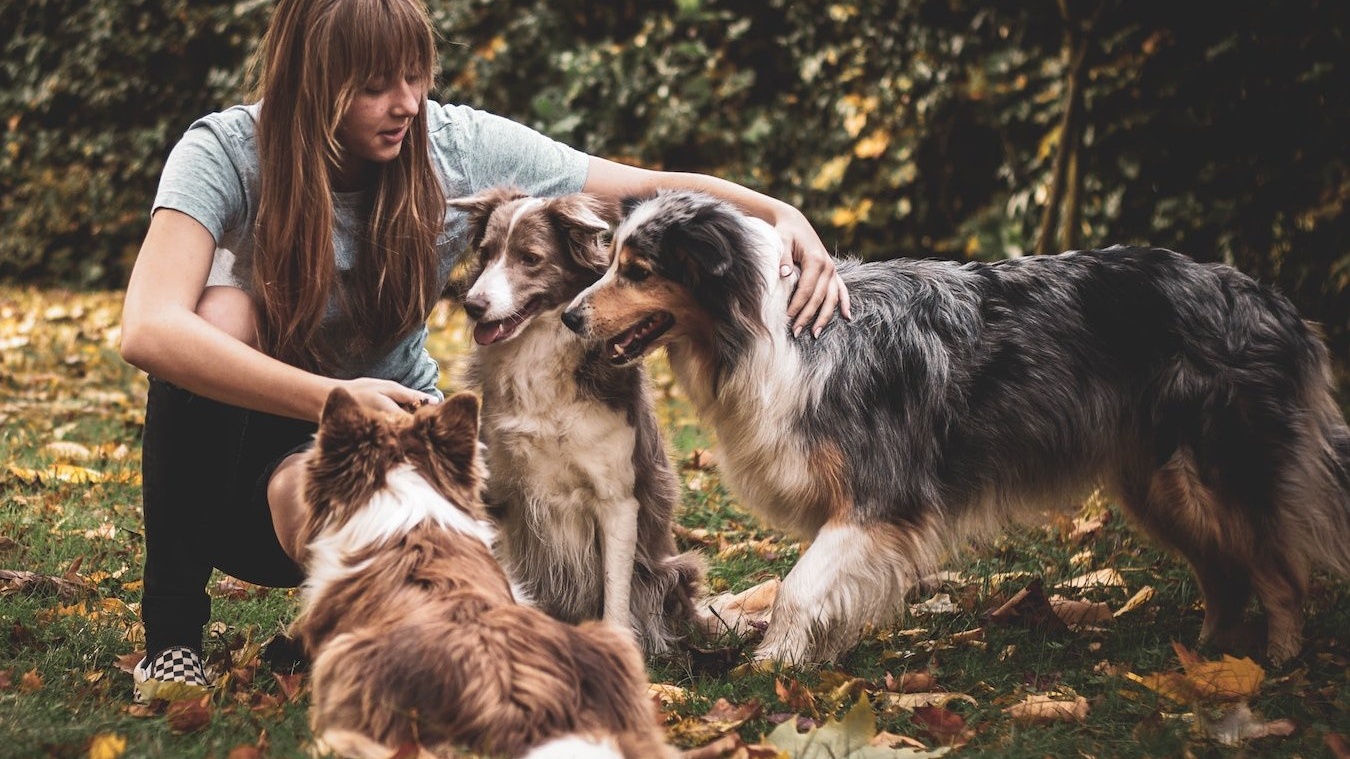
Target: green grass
x=61, y=686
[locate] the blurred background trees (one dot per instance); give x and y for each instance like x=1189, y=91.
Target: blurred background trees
x=943, y=128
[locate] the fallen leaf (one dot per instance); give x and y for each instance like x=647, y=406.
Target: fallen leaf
x=188, y=715
x=940, y=603
x=722, y=718
x=1141, y=597
x=1338, y=745
x=31, y=682
x=290, y=685
x=668, y=694
x=1075, y=613
x=943, y=725
x=912, y=701
x=910, y=682
x=795, y=696
x=849, y=738
x=1029, y=607
x=107, y=746
x=1237, y=723
x=1044, y=709
x=1102, y=578
x=70, y=451
x=244, y=752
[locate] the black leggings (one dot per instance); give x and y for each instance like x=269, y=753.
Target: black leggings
x=205, y=467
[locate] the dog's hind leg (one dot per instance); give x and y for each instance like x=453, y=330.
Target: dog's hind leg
x=851, y=577
x=1178, y=510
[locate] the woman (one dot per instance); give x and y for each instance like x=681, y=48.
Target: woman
x=298, y=244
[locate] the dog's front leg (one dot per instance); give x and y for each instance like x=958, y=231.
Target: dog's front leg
x=851, y=577
x=618, y=522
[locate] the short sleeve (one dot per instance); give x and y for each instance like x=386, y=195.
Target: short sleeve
x=479, y=150
x=201, y=180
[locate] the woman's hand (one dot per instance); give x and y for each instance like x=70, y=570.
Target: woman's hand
x=820, y=289
x=385, y=395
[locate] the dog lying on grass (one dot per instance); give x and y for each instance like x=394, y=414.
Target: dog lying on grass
x=415, y=634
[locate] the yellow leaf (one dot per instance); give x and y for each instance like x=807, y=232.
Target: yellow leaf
x=831, y=173
x=1144, y=595
x=873, y=145
x=1102, y=578
x=107, y=746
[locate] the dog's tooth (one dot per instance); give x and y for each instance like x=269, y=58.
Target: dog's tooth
x=618, y=349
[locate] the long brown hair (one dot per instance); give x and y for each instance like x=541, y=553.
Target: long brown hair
x=314, y=58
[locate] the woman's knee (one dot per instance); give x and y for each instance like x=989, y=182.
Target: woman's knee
x=285, y=498
x=231, y=310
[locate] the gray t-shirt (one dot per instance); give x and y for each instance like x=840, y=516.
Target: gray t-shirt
x=212, y=175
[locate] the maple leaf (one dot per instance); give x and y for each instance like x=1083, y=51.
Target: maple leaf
x=849, y=738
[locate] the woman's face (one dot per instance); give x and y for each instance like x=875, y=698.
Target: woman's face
x=374, y=126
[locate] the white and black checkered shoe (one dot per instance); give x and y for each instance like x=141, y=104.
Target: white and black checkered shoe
x=175, y=664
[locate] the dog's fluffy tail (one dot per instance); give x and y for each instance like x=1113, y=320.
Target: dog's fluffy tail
x=665, y=599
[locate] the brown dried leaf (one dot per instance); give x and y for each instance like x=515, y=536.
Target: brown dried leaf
x=796, y=696
x=31, y=682
x=188, y=715
x=1338, y=745
x=911, y=682
x=291, y=685
x=943, y=725
x=1028, y=607
x=1078, y=612
x=1045, y=709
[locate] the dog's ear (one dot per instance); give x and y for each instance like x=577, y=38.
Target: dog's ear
x=451, y=430
x=710, y=238
x=352, y=452
x=583, y=220
x=480, y=207
x=342, y=419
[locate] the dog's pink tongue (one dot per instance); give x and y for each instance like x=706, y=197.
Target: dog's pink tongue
x=488, y=333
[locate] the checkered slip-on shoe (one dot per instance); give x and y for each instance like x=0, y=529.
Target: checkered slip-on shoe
x=175, y=664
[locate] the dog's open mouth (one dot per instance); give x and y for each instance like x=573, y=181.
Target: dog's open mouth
x=632, y=343
x=487, y=333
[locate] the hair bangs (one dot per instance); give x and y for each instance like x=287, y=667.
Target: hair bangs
x=377, y=39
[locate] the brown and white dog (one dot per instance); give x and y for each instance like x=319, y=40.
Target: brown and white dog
x=414, y=632
x=961, y=395
x=580, y=481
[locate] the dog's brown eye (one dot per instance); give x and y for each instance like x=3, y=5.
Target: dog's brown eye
x=636, y=273
x=530, y=259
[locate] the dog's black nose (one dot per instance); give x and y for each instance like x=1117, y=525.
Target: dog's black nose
x=573, y=320
x=475, y=308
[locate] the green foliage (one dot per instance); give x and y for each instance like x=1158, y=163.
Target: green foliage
x=910, y=127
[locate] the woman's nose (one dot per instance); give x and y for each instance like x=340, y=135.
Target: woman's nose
x=408, y=99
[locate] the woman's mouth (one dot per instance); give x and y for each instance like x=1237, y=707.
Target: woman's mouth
x=393, y=136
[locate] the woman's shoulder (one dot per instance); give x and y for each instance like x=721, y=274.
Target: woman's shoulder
x=235, y=126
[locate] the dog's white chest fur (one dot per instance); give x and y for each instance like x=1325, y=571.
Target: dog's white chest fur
x=547, y=443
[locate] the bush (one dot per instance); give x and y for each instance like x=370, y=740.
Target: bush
x=913, y=127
